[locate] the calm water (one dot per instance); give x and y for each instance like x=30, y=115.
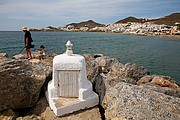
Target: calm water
x=159, y=55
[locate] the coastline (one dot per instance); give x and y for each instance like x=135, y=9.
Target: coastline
x=168, y=36
x=161, y=35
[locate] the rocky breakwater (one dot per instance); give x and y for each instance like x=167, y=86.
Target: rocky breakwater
x=126, y=91
x=129, y=92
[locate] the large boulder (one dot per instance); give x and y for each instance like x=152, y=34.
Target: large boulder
x=21, y=83
x=162, y=84
x=161, y=80
x=105, y=72
x=113, y=69
x=125, y=101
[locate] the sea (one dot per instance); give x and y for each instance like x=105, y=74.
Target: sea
x=159, y=55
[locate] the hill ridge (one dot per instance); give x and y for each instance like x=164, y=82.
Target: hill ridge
x=167, y=20
x=89, y=24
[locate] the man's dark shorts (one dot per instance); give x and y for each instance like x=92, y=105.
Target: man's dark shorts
x=28, y=47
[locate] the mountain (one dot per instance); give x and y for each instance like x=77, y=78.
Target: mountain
x=167, y=20
x=131, y=19
x=89, y=24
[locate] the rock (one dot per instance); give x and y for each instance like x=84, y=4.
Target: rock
x=113, y=69
x=3, y=55
x=105, y=72
x=145, y=79
x=19, y=56
x=21, y=83
x=93, y=69
x=40, y=107
x=126, y=101
x=89, y=57
x=162, y=84
x=106, y=63
x=8, y=115
x=165, y=81
x=164, y=90
x=99, y=87
x=134, y=71
x=30, y=117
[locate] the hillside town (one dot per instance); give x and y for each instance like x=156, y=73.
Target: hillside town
x=168, y=26
x=147, y=28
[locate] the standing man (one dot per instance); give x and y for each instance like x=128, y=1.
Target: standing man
x=27, y=41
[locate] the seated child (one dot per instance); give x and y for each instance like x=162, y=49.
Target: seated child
x=42, y=52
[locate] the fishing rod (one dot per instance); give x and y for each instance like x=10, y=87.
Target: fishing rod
x=21, y=50
x=32, y=46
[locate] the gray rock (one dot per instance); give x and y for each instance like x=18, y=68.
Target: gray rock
x=130, y=102
x=3, y=55
x=164, y=90
x=19, y=56
x=105, y=72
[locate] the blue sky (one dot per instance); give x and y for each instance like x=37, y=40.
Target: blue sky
x=41, y=13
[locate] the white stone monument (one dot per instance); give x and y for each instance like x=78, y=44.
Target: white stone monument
x=69, y=90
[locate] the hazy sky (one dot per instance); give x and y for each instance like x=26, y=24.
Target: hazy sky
x=41, y=13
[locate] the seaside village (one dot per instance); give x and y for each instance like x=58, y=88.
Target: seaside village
x=146, y=28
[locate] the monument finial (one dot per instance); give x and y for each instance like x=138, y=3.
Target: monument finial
x=69, y=45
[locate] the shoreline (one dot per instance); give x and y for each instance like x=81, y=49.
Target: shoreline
x=168, y=36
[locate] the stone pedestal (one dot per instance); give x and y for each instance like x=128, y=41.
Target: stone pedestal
x=69, y=90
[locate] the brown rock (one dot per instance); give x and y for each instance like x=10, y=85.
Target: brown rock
x=8, y=115
x=30, y=117
x=21, y=83
x=165, y=81
x=145, y=79
x=164, y=90
x=19, y=56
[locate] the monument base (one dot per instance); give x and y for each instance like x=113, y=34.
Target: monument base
x=65, y=105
